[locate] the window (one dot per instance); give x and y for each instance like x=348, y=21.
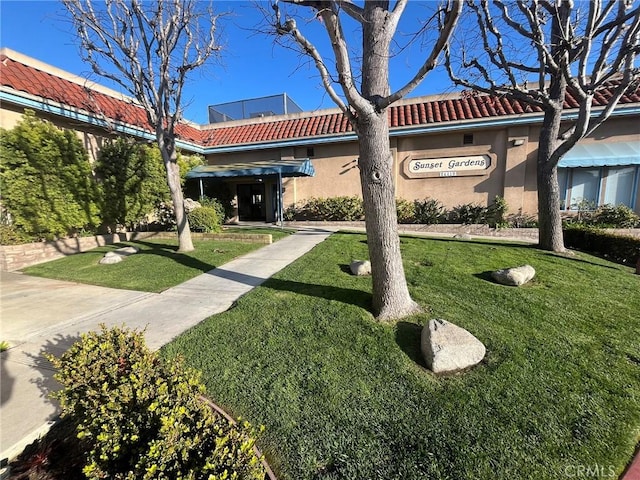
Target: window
x=587, y=188
x=467, y=139
x=619, y=183
x=310, y=152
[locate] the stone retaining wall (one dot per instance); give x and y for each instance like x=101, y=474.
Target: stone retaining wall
x=15, y=257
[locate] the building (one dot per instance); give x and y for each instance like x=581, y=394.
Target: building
x=457, y=149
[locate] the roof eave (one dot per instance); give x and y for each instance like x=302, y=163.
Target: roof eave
x=26, y=100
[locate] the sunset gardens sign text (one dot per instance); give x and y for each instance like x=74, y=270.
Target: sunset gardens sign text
x=449, y=167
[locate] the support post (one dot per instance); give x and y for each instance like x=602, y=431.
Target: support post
x=201, y=188
x=280, y=212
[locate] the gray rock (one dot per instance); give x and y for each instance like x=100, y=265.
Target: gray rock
x=190, y=205
x=361, y=267
x=515, y=276
x=110, y=259
x=462, y=236
x=447, y=348
x=116, y=256
x=126, y=251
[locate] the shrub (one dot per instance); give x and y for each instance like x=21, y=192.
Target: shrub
x=165, y=218
x=495, y=213
x=469, y=213
x=11, y=235
x=334, y=209
x=215, y=204
x=205, y=219
x=46, y=180
x=186, y=163
x=144, y=419
x=616, y=216
x=292, y=212
x=132, y=181
x=618, y=248
x=406, y=211
x=428, y=211
x=520, y=220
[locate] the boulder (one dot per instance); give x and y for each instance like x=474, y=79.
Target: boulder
x=447, y=348
x=515, y=276
x=110, y=259
x=190, y=205
x=125, y=251
x=361, y=267
x=116, y=256
x=462, y=236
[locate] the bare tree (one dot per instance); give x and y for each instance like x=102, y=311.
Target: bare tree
x=539, y=51
x=149, y=48
x=365, y=105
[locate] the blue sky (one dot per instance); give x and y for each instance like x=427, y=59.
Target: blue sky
x=251, y=64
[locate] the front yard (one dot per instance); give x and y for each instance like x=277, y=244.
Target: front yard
x=156, y=267
x=344, y=397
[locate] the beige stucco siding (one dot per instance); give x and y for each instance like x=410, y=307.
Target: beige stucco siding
x=479, y=187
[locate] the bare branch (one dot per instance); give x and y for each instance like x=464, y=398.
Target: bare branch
x=451, y=15
x=290, y=27
x=151, y=50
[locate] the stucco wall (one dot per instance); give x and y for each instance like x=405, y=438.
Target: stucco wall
x=512, y=173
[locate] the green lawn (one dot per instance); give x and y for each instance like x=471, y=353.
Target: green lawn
x=156, y=267
x=344, y=397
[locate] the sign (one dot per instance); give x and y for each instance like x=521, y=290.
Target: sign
x=449, y=167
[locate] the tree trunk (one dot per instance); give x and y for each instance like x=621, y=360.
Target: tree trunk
x=549, y=219
x=167, y=144
x=391, y=299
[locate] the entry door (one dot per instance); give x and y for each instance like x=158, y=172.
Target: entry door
x=251, y=202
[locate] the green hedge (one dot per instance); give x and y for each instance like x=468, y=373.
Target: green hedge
x=427, y=211
x=142, y=418
x=205, y=219
x=623, y=249
x=46, y=181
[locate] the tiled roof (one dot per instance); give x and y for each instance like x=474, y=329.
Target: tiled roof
x=40, y=83
x=469, y=107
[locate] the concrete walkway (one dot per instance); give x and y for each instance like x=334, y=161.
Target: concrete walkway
x=41, y=315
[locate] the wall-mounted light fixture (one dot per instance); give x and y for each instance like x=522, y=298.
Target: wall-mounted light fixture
x=517, y=142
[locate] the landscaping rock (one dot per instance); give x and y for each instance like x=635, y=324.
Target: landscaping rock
x=361, y=267
x=462, y=236
x=515, y=276
x=190, y=205
x=110, y=259
x=447, y=348
x=116, y=256
x=125, y=251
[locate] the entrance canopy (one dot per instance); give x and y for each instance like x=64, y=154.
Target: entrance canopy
x=284, y=168
x=602, y=154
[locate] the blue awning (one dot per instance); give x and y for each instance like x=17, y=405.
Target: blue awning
x=602, y=154
x=286, y=168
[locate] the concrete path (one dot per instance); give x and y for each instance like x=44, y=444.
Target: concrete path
x=41, y=315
